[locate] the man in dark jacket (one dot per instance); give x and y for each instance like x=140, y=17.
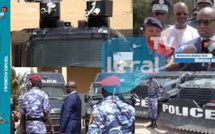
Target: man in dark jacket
x=205, y=22
x=70, y=119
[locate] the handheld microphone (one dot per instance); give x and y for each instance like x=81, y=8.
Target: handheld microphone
x=211, y=47
x=188, y=49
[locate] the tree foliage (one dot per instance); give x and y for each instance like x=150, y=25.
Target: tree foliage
x=17, y=82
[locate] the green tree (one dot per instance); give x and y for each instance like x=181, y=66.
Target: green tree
x=17, y=82
x=141, y=10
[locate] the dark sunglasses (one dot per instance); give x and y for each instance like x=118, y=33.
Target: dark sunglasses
x=69, y=86
x=179, y=14
x=205, y=22
x=159, y=13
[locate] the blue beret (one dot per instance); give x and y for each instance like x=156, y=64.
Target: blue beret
x=117, y=83
x=153, y=22
x=160, y=5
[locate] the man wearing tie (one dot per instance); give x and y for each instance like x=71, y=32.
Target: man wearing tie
x=205, y=22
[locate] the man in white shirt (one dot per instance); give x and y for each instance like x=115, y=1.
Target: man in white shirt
x=180, y=33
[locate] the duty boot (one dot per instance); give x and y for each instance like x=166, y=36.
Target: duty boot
x=150, y=125
x=154, y=125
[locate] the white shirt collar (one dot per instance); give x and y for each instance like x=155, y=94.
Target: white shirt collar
x=211, y=38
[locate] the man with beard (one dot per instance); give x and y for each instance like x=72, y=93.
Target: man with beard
x=180, y=33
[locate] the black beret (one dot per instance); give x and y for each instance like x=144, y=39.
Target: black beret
x=152, y=22
x=160, y=5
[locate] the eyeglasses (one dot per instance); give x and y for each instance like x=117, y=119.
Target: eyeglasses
x=205, y=22
x=179, y=14
x=159, y=13
x=67, y=86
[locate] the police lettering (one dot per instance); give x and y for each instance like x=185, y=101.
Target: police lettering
x=193, y=112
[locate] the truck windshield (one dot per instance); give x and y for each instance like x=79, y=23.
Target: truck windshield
x=84, y=52
x=54, y=91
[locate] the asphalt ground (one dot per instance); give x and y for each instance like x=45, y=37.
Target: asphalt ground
x=140, y=128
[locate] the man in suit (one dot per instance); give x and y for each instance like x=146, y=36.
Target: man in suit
x=70, y=119
x=205, y=22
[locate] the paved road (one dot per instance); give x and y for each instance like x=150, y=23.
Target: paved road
x=140, y=128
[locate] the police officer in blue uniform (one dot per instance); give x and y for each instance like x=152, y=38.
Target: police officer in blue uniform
x=35, y=109
x=160, y=9
x=111, y=115
x=144, y=52
x=153, y=90
x=70, y=119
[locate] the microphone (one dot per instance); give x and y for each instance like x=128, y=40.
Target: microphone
x=211, y=47
x=188, y=49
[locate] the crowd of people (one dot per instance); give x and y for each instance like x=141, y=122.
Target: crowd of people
x=195, y=35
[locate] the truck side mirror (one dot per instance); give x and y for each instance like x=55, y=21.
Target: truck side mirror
x=86, y=98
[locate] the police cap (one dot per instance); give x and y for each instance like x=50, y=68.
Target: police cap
x=34, y=77
x=152, y=22
x=160, y=6
x=111, y=84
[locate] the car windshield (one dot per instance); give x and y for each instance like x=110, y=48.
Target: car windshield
x=55, y=103
x=54, y=91
x=96, y=90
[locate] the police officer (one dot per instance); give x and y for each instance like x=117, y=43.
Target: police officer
x=203, y=3
x=153, y=90
x=70, y=119
x=147, y=51
x=160, y=9
x=35, y=109
x=111, y=115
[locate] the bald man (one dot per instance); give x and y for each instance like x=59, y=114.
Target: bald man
x=180, y=33
x=205, y=22
x=70, y=119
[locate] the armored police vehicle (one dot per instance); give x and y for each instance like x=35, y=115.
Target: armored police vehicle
x=95, y=93
x=57, y=43
x=53, y=85
x=169, y=82
x=194, y=108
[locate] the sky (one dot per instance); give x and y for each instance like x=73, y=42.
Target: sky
x=22, y=70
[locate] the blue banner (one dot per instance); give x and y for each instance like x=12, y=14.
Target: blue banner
x=194, y=58
x=5, y=67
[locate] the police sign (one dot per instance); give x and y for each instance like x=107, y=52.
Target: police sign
x=189, y=111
